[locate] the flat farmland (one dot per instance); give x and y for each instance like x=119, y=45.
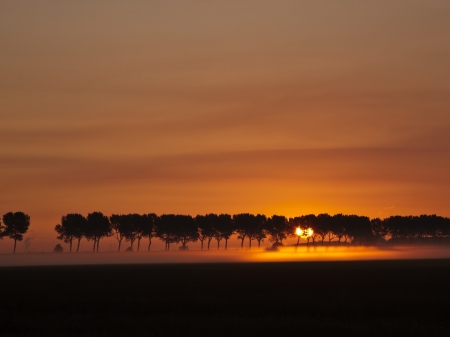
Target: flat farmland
x=363, y=298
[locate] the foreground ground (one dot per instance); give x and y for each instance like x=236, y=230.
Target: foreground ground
x=370, y=298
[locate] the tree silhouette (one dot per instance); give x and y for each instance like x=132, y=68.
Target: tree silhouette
x=205, y=228
x=217, y=233
x=224, y=228
x=149, y=227
x=211, y=220
x=186, y=230
x=2, y=228
x=133, y=230
x=323, y=225
x=259, y=228
x=165, y=229
x=310, y=221
x=202, y=227
x=58, y=249
x=338, y=226
x=15, y=226
x=391, y=227
x=418, y=231
x=130, y=227
x=98, y=226
x=118, y=223
x=278, y=228
x=82, y=226
x=250, y=226
x=347, y=230
x=141, y=224
x=436, y=227
x=241, y=222
x=295, y=223
x=360, y=229
x=379, y=228
x=72, y=227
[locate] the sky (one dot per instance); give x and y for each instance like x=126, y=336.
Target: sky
x=193, y=107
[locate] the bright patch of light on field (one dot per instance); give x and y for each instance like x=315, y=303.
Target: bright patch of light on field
x=283, y=254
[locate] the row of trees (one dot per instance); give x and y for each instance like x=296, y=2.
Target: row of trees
x=362, y=230
x=182, y=229
x=401, y=229
x=170, y=228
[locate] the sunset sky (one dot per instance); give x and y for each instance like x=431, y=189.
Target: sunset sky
x=274, y=107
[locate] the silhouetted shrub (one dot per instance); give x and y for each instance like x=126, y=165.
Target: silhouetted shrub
x=58, y=249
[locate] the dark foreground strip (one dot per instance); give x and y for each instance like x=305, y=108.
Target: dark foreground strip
x=370, y=298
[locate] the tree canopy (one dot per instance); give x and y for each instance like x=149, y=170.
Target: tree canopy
x=15, y=225
x=72, y=227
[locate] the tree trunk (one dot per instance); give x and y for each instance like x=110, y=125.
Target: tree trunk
x=78, y=246
x=120, y=243
x=226, y=243
x=249, y=243
x=93, y=249
x=149, y=243
x=218, y=244
x=242, y=242
x=70, y=250
x=139, y=244
x=15, y=241
x=98, y=244
x=209, y=242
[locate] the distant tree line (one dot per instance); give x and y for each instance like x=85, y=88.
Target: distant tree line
x=182, y=229
x=361, y=230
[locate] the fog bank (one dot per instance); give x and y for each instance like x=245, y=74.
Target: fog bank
x=285, y=254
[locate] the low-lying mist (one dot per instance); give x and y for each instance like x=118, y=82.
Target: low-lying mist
x=284, y=254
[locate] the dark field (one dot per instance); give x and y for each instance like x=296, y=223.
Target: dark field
x=371, y=298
